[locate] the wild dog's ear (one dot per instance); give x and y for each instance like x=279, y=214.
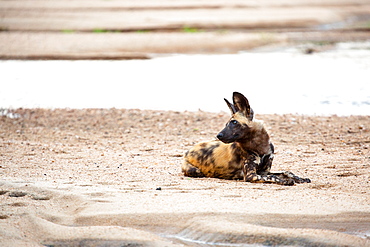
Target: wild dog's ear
x=251, y=115
x=231, y=106
x=241, y=104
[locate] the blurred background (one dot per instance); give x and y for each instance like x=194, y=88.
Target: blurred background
x=286, y=56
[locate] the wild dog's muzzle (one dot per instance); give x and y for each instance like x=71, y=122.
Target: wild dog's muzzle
x=226, y=138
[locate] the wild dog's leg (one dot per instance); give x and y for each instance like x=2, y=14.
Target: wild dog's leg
x=266, y=162
x=265, y=166
x=190, y=170
x=290, y=175
x=251, y=175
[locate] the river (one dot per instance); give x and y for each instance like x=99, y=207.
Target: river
x=282, y=81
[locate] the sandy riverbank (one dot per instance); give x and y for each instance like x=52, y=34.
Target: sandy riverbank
x=112, y=177
x=125, y=29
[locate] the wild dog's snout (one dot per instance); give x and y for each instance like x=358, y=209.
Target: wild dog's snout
x=225, y=136
x=220, y=136
x=233, y=131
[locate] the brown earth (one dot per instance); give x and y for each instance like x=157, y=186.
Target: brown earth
x=110, y=177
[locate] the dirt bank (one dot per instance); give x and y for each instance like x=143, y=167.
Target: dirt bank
x=140, y=30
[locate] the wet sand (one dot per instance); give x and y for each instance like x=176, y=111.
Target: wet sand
x=99, y=177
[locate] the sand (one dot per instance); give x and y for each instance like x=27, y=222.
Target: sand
x=111, y=177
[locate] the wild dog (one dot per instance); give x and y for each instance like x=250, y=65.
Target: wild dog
x=243, y=151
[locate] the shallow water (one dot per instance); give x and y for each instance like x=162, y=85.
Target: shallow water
x=284, y=81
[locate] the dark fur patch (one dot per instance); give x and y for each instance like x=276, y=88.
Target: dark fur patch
x=206, y=154
x=237, y=158
x=203, y=145
x=194, y=172
x=272, y=148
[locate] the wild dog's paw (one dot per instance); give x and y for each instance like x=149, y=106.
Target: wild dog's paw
x=192, y=171
x=287, y=182
x=297, y=179
x=301, y=180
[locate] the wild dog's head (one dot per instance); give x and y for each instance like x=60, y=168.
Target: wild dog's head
x=239, y=126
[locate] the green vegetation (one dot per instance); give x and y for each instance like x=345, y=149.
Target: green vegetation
x=187, y=29
x=100, y=30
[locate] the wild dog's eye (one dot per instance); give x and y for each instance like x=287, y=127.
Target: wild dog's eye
x=234, y=122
